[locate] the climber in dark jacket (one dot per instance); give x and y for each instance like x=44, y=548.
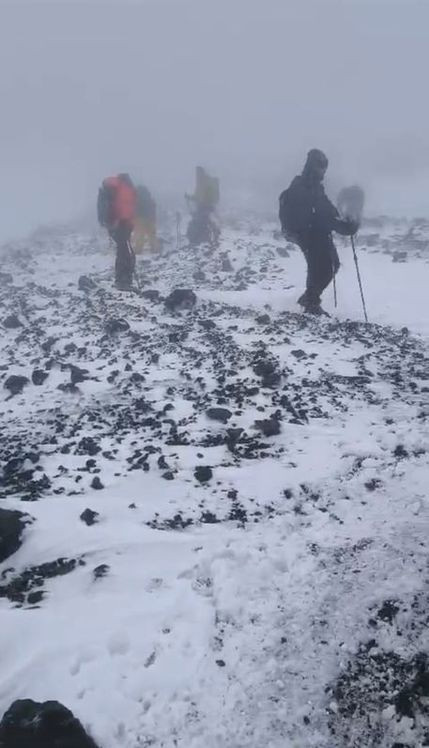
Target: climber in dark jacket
x=308, y=218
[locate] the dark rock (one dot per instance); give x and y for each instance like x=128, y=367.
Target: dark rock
x=299, y=354
x=168, y=475
x=88, y=446
x=268, y=372
x=199, y=275
x=203, y=473
x=48, y=344
x=68, y=387
x=226, y=265
x=101, y=571
x=269, y=427
x=89, y=517
x=151, y=294
x=29, y=724
x=263, y=319
x=38, y=376
x=388, y=611
x=219, y=414
x=208, y=518
x=86, y=284
x=207, y=324
x=400, y=452
x=12, y=524
x=34, y=576
x=78, y=375
x=180, y=298
x=15, y=384
x=97, y=484
x=12, y=322
x=114, y=325
x=220, y=663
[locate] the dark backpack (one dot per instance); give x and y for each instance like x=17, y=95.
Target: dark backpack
x=286, y=214
x=105, y=199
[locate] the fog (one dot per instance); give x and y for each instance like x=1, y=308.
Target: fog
x=244, y=87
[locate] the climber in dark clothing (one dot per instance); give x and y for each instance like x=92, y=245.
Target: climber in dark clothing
x=308, y=218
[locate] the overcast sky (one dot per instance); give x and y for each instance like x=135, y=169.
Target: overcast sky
x=245, y=87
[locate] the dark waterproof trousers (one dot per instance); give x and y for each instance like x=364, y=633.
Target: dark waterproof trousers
x=322, y=264
x=125, y=257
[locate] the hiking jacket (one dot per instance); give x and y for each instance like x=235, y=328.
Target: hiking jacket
x=308, y=211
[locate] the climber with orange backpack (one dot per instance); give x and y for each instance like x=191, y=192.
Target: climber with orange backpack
x=116, y=210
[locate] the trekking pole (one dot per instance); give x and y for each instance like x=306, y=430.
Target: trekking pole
x=359, y=278
x=334, y=282
x=178, y=217
x=133, y=254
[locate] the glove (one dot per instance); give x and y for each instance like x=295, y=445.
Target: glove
x=346, y=227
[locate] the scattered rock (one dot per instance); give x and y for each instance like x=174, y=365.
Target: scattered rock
x=101, y=571
x=78, y=375
x=12, y=525
x=219, y=414
x=18, y=588
x=269, y=426
x=38, y=376
x=89, y=517
x=199, y=275
x=115, y=325
x=263, y=319
x=15, y=384
x=180, y=298
x=97, y=484
x=12, y=322
x=282, y=252
x=203, y=473
x=86, y=284
x=151, y=294
x=268, y=372
x=30, y=724
x=88, y=446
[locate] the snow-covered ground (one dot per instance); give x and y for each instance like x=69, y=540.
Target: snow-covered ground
x=283, y=601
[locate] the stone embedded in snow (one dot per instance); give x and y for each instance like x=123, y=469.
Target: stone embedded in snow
x=38, y=376
x=151, y=294
x=263, y=319
x=16, y=383
x=78, y=375
x=203, y=473
x=299, y=354
x=268, y=372
x=12, y=322
x=30, y=724
x=207, y=324
x=226, y=265
x=118, y=324
x=282, y=252
x=269, y=426
x=219, y=414
x=88, y=446
x=12, y=524
x=180, y=298
x=97, y=484
x=86, y=284
x=199, y=275
x=89, y=517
